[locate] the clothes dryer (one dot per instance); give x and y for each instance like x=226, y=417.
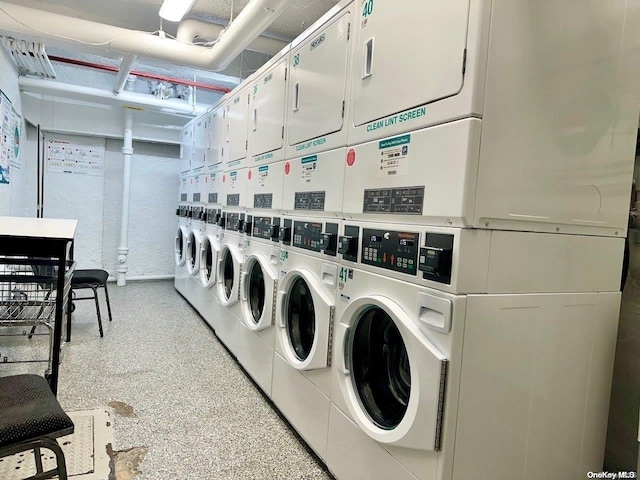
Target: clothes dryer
x=182, y=229
x=476, y=178
x=304, y=321
x=229, y=274
x=429, y=356
x=210, y=247
x=195, y=233
x=258, y=290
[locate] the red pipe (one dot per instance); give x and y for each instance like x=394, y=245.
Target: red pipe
x=109, y=68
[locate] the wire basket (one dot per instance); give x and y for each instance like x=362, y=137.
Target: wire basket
x=29, y=297
x=29, y=290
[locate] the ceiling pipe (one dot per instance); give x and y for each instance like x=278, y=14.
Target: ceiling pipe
x=252, y=21
x=191, y=29
x=140, y=101
x=123, y=73
x=138, y=73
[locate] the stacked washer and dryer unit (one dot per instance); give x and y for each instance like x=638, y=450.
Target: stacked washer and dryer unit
x=420, y=219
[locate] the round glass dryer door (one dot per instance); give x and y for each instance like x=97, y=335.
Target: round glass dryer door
x=256, y=292
x=180, y=253
x=259, y=280
x=191, y=252
x=380, y=368
x=304, y=316
x=228, y=273
x=207, y=267
x=393, y=376
x=300, y=319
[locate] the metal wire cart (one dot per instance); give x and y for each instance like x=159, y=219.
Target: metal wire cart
x=35, y=280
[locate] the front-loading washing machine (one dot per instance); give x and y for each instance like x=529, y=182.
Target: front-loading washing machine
x=445, y=342
x=304, y=321
x=228, y=277
x=180, y=247
x=195, y=233
x=258, y=288
x=210, y=245
x=182, y=212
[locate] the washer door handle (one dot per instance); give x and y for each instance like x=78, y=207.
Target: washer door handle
x=342, y=334
x=219, y=270
x=280, y=303
x=243, y=289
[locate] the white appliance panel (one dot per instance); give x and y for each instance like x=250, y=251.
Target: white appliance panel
x=267, y=110
x=183, y=188
x=237, y=126
x=215, y=188
x=256, y=356
x=198, y=188
x=215, y=136
x=351, y=455
x=265, y=187
x=536, y=377
x=200, y=142
x=313, y=184
x=302, y=403
x=317, y=92
x=235, y=184
x=425, y=176
x=186, y=147
x=401, y=64
x=554, y=118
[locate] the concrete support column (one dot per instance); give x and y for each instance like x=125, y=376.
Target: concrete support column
x=127, y=152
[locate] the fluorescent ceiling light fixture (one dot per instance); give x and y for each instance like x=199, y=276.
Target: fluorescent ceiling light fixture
x=174, y=10
x=30, y=57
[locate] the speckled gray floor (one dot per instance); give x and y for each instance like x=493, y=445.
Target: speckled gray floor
x=195, y=409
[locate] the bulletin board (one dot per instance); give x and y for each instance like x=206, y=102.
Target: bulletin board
x=70, y=158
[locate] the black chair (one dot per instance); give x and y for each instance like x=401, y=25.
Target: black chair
x=92, y=279
x=31, y=419
x=82, y=279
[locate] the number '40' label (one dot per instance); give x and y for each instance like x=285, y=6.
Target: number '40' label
x=367, y=8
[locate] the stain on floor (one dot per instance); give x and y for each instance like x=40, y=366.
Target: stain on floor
x=121, y=409
x=124, y=463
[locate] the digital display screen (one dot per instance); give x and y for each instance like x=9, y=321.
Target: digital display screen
x=375, y=238
x=405, y=242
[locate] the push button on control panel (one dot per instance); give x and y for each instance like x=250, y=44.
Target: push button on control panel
x=391, y=250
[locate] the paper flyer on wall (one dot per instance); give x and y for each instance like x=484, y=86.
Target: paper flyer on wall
x=15, y=138
x=5, y=113
x=66, y=157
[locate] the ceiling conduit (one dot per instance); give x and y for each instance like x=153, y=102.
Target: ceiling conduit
x=141, y=101
x=250, y=23
x=138, y=73
x=191, y=29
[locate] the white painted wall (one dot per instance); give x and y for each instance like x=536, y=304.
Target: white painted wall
x=152, y=220
x=97, y=202
x=79, y=197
